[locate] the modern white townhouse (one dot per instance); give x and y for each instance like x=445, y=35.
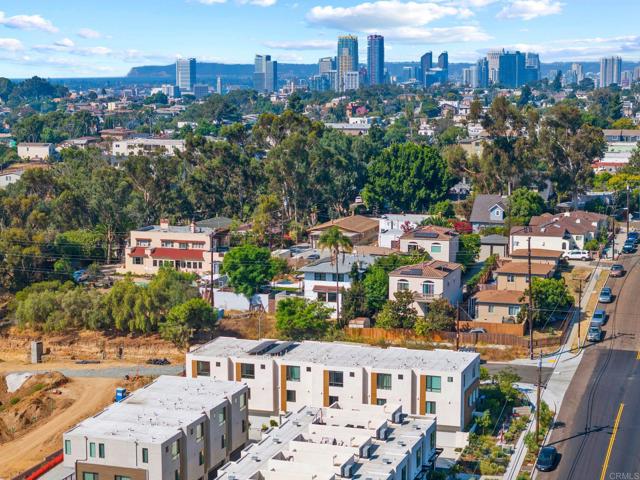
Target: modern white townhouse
x=175, y=428
x=35, y=151
x=322, y=283
x=328, y=443
x=284, y=376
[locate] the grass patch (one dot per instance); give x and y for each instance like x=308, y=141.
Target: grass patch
x=37, y=387
x=14, y=400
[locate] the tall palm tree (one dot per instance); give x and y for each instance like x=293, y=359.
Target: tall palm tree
x=335, y=241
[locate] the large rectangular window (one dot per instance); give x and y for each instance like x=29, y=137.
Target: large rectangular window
x=247, y=370
x=92, y=449
x=430, y=408
x=514, y=309
x=243, y=401
x=199, y=431
x=145, y=455
x=383, y=381
x=122, y=477
x=320, y=277
x=336, y=379
x=90, y=476
x=175, y=449
x=101, y=450
x=222, y=415
x=293, y=373
x=434, y=384
x=333, y=399
x=291, y=395
x=67, y=447
x=203, y=369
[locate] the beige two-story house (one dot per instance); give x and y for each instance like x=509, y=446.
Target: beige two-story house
x=439, y=242
x=515, y=275
x=428, y=281
x=497, y=306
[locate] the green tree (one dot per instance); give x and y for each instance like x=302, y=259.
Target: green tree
x=624, y=124
x=505, y=380
x=468, y=249
x=398, y=313
x=300, y=319
x=440, y=316
x=569, y=148
x=549, y=295
x=524, y=204
x=294, y=103
x=407, y=177
x=354, y=300
x=248, y=267
x=337, y=243
x=184, y=319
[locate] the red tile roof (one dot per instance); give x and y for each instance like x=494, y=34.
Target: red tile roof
x=178, y=254
x=324, y=288
x=137, y=252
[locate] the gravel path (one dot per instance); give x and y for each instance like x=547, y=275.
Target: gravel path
x=118, y=372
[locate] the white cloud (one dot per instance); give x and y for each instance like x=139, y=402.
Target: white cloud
x=89, y=33
x=530, y=9
x=11, y=44
x=259, y=3
x=65, y=42
x=27, y=22
x=301, y=45
x=417, y=35
x=381, y=14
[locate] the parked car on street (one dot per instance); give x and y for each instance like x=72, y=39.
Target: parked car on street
x=617, y=270
x=547, y=459
x=599, y=317
x=605, y=295
x=577, y=255
x=594, y=334
x=629, y=247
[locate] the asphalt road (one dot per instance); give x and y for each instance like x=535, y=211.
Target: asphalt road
x=597, y=432
x=527, y=373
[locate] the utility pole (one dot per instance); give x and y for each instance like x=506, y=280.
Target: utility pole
x=628, y=210
x=211, y=250
x=530, y=308
x=538, y=398
x=457, y=326
x=579, y=311
x=613, y=245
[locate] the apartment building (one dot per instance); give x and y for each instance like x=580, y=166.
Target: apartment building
x=441, y=243
x=174, y=428
x=189, y=248
x=327, y=443
x=360, y=230
x=145, y=146
x=284, y=376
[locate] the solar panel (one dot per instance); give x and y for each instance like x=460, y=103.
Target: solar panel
x=412, y=271
x=425, y=235
x=282, y=347
x=262, y=347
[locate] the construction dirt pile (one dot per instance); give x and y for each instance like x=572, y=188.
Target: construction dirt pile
x=88, y=345
x=36, y=400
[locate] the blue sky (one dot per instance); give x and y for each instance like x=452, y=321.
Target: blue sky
x=68, y=38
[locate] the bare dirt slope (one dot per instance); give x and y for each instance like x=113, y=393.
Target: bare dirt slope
x=78, y=399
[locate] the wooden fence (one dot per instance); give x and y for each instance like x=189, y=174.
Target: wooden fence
x=502, y=334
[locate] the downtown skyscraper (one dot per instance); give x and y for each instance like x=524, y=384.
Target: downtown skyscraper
x=186, y=74
x=347, y=60
x=265, y=74
x=375, y=59
x=610, y=71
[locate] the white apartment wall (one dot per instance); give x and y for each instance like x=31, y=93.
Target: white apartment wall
x=31, y=151
x=236, y=301
x=547, y=243
x=310, y=284
x=449, y=287
x=448, y=251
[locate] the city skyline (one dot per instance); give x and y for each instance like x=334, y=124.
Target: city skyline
x=38, y=39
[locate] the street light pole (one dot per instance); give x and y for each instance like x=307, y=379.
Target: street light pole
x=579, y=311
x=538, y=398
x=628, y=210
x=530, y=308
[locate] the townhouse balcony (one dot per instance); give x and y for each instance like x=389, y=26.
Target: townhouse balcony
x=426, y=297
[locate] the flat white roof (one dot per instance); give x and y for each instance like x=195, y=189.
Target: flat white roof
x=343, y=355
x=287, y=439
x=159, y=411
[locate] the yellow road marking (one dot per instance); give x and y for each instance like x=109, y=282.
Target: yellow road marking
x=611, y=442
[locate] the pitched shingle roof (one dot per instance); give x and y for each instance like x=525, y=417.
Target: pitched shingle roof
x=354, y=223
x=503, y=297
x=439, y=233
x=522, y=268
x=481, y=206
x=430, y=269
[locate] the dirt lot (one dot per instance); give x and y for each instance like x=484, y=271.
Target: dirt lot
x=78, y=399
